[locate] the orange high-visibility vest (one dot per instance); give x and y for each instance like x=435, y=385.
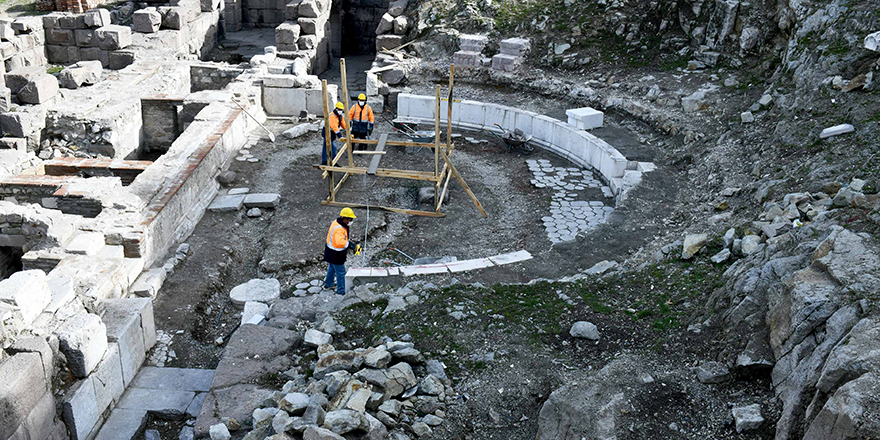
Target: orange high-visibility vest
x=337, y=237
x=364, y=114
x=336, y=122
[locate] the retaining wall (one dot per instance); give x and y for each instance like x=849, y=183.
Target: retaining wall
x=578, y=146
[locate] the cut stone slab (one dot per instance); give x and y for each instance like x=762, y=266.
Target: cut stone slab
x=585, y=118
x=146, y=20
x=226, y=203
x=512, y=257
x=238, y=191
x=149, y=282
x=836, y=130
x=253, y=309
x=180, y=379
x=86, y=243
x=262, y=200
x=113, y=37
x=169, y=404
x=83, y=340
x=747, y=418
x=79, y=74
x=461, y=266
x=123, y=424
x=123, y=321
x=29, y=291
x=40, y=89
x=260, y=290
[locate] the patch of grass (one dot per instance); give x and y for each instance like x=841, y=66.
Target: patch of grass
x=54, y=69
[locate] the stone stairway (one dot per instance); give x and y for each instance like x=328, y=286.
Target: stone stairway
x=169, y=393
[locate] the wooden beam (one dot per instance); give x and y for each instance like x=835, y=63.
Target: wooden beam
x=374, y=164
x=335, y=159
x=386, y=208
x=400, y=174
x=463, y=183
x=369, y=152
x=327, y=142
x=345, y=112
x=341, y=181
x=449, y=113
x=396, y=143
x=437, y=133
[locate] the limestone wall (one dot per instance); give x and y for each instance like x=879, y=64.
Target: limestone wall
x=576, y=145
x=22, y=43
x=262, y=13
x=207, y=76
x=71, y=38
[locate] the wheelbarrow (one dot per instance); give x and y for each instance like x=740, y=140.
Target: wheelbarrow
x=514, y=140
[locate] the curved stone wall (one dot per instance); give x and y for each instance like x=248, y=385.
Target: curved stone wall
x=578, y=146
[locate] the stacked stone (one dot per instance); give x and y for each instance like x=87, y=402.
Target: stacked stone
x=262, y=13
x=470, y=50
x=22, y=43
x=71, y=38
x=233, y=15
x=387, y=391
x=306, y=35
x=150, y=20
x=392, y=26
x=512, y=51
x=30, y=226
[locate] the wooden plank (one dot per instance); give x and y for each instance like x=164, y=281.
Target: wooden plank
x=400, y=174
x=335, y=159
x=449, y=113
x=437, y=134
x=464, y=185
x=345, y=112
x=396, y=143
x=369, y=152
x=386, y=208
x=327, y=137
x=341, y=181
x=374, y=164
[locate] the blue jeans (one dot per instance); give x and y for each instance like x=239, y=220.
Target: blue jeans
x=337, y=270
x=324, y=152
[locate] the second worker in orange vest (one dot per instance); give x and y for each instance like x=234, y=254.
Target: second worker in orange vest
x=361, y=115
x=337, y=125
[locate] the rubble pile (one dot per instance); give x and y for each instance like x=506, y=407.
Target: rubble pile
x=386, y=391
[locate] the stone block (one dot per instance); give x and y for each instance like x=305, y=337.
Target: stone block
x=515, y=46
x=83, y=340
x=62, y=54
x=123, y=424
x=226, y=203
x=120, y=59
x=85, y=243
x=397, y=7
x=35, y=344
x=51, y=20
x=210, y=5
x=72, y=21
x=6, y=31
x=5, y=100
x=170, y=404
x=113, y=37
x=472, y=42
x=107, y=379
x=291, y=10
x=41, y=421
x=95, y=18
x=39, y=90
x=585, y=118
x=311, y=26
x=284, y=102
x=9, y=143
x=28, y=291
x=20, y=124
x=79, y=74
x=174, y=17
x=94, y=54
x=401, y=24
x=149, y=282
x=146, y=21
x=61, y=37
x=261, y=290
x=184, y=379
x=272, y=80
x=505, y=63
x=310, y=9
x=79, y=410
x=123, y=321
x=22, y=384
x=252, y=310
x=384, y=42
x=85, y=38
x=287, y=33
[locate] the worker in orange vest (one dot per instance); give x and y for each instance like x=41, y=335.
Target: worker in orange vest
x=336, y=249
x=337, y=125
x=361, y=116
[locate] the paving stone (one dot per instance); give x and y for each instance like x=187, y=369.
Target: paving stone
x=226, y=203
x=149, y=282
x=182, y=379
x=171, y=404
x=262, y=200
x=195, y=407
x=253, y=309
x=261, y=290
x=315, y=282
x=123, y=424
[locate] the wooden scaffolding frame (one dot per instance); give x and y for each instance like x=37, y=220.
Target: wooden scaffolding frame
x=440, y=177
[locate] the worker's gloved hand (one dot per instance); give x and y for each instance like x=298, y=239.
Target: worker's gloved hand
x=338, y=134
x=352, y=246
x=370, y=129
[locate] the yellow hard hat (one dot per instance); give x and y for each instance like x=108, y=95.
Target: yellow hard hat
x=362, y=97
x=340, y=106
x=347, y=213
